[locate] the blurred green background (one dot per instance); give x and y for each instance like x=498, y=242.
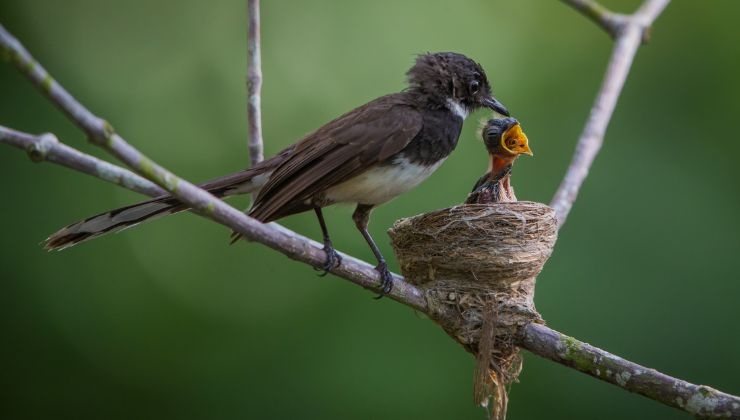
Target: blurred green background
x=168, y=321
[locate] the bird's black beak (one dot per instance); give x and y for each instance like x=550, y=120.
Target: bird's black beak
x=496, y=106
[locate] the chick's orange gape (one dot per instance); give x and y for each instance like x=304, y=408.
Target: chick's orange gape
x=515, y=141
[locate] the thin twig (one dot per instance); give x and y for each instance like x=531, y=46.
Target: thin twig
x=699, y=400
x=628, y=40
x=609, y=21
x=101, y=133
x=254, y=83
x=46, y=147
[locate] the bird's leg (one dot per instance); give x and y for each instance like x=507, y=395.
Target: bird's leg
x=333, y=259
x=361, y=216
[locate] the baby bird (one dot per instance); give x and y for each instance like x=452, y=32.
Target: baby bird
x=505, y=141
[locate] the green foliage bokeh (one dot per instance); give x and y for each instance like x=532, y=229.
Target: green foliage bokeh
x=168, y=321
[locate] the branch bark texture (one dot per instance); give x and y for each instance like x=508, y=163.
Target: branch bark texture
x=699, y=400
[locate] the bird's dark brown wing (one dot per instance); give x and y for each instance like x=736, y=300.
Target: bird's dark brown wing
x=336, y=152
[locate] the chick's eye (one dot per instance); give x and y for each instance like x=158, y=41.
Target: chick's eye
x=474, y=86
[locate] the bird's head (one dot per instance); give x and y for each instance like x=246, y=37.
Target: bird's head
x=505, y=141
x=454, y=81
x=504, y=137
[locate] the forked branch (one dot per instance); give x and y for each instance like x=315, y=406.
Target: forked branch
x=632, y=29
x=611, y=22
x=46, y=147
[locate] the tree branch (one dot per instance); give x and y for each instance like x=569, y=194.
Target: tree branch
x=101, y=133
x=628, y=39
x=699, y=400
x=254, y=83
x=46, y=147
x=609, y=21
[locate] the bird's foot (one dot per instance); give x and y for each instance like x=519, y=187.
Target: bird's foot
x=386, y=280
x=333, y=259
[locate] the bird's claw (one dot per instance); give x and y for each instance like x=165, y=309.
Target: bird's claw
x=333, y=259
x=386, y=280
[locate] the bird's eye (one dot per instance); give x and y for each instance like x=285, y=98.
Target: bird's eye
x=474, y=86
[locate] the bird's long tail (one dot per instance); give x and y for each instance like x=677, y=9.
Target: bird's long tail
x=243, y=182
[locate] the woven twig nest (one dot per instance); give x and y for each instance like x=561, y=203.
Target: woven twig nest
x=477, y=265
x=500, y=243
x=464, y=255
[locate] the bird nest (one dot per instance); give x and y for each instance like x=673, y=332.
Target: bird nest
x=477, y=265
x=499, y=244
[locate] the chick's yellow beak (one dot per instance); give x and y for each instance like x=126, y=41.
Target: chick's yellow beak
x=515, y=141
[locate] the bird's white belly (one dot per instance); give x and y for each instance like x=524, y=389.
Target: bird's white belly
x=381, y=184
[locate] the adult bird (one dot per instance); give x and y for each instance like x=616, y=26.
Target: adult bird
x=505, y=141
x=367, y=156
